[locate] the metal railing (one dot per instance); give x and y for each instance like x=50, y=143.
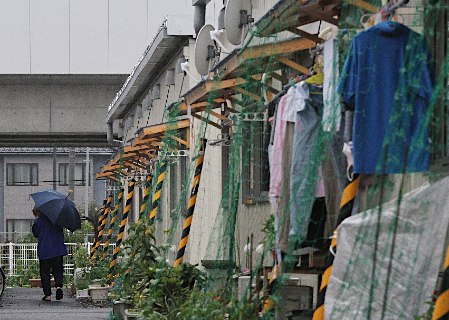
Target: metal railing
x=17, y=257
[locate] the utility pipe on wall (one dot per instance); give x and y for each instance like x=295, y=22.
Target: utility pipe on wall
x=110, y=135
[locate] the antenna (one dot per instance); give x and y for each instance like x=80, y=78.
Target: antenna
x=205, y=50
x=237, y=19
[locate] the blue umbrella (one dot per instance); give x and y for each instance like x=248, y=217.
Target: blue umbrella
x=60, y=210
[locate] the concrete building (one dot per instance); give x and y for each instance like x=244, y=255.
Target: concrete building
x=27, y=170
x=156, y=83
x=62, y=64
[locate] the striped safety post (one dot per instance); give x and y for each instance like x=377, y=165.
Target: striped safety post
x=129, y=199
x=101, y=226
x=346, y=205
x=191, y=205
x=268, y=303
x=100, y=218
x=441, y=310
x=157, y=192
x=146, y=196
x=143, y=207
x=112, y=224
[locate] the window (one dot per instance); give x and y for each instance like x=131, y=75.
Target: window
x=438, y=22
x=17, y=228
x=80, y=174
x=177, y=187
x=22, y=174
x=255, y=168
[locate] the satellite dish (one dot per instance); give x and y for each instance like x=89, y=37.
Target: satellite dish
x=204, y=50
x=237, y=18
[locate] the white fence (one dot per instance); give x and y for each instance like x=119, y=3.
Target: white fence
x=16, y=257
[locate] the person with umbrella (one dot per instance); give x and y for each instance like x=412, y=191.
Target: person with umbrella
x=53, y=211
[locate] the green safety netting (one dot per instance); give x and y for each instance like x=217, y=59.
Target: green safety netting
x=390, y=245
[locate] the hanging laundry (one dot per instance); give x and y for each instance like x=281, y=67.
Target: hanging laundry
x=276, y=149
x=306, y=161
x=332, y=108
x=387, y=80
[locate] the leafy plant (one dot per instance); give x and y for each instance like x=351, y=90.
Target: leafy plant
x=79, y=236
x=81, y=257
x=268, y=231
x=24, y=273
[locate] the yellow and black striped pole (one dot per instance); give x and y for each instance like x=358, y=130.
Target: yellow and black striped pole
x=191, y=205
x=121, y=231
x=143, y=207
x=346, y=205
x=146, y=197
x=157, y=192
x=100, y=218
x=441, y=311
x=101, y=226
x=112, y=224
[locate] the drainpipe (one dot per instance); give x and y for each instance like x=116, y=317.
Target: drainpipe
x=110, y=136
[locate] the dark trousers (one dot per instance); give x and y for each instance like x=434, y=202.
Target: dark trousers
x=51, y=266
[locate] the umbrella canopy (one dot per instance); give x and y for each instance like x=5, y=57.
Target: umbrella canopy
x=60, y=210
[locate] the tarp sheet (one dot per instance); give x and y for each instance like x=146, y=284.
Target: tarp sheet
x=364, y=284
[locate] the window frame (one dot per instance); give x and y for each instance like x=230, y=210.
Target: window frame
x=439, y=45
x=11, y=234
x=77, y=183
x=255, y=167
x=13, y=183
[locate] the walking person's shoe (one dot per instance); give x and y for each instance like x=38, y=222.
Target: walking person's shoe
x=59, y=294
x=46, y=298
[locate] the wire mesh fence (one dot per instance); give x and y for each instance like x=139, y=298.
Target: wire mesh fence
x=16, y=257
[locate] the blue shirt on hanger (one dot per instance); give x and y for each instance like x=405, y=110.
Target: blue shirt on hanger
x=388, y=80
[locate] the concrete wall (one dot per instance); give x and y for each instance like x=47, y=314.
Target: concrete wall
x=50, y=108
x=250, y=218
x=79, y=36
x=209, y=195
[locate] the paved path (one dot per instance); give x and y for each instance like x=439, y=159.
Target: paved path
x=25, y=303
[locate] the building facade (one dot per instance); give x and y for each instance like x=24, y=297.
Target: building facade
x=28, y=170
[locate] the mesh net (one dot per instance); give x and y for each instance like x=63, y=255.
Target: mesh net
x=284, y=178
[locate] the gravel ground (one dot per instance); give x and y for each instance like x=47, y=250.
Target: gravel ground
x=26, y=303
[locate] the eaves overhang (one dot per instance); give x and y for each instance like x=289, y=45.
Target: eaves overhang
x=154, y=60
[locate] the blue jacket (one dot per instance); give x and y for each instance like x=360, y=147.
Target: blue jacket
x=50, y=239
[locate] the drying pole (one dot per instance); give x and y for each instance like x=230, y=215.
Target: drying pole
x=191, y=205
x=346, y=204
x=101, y=226
x=441, y=311
x=157, y=192
x=129, y=199
x=112, y=224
